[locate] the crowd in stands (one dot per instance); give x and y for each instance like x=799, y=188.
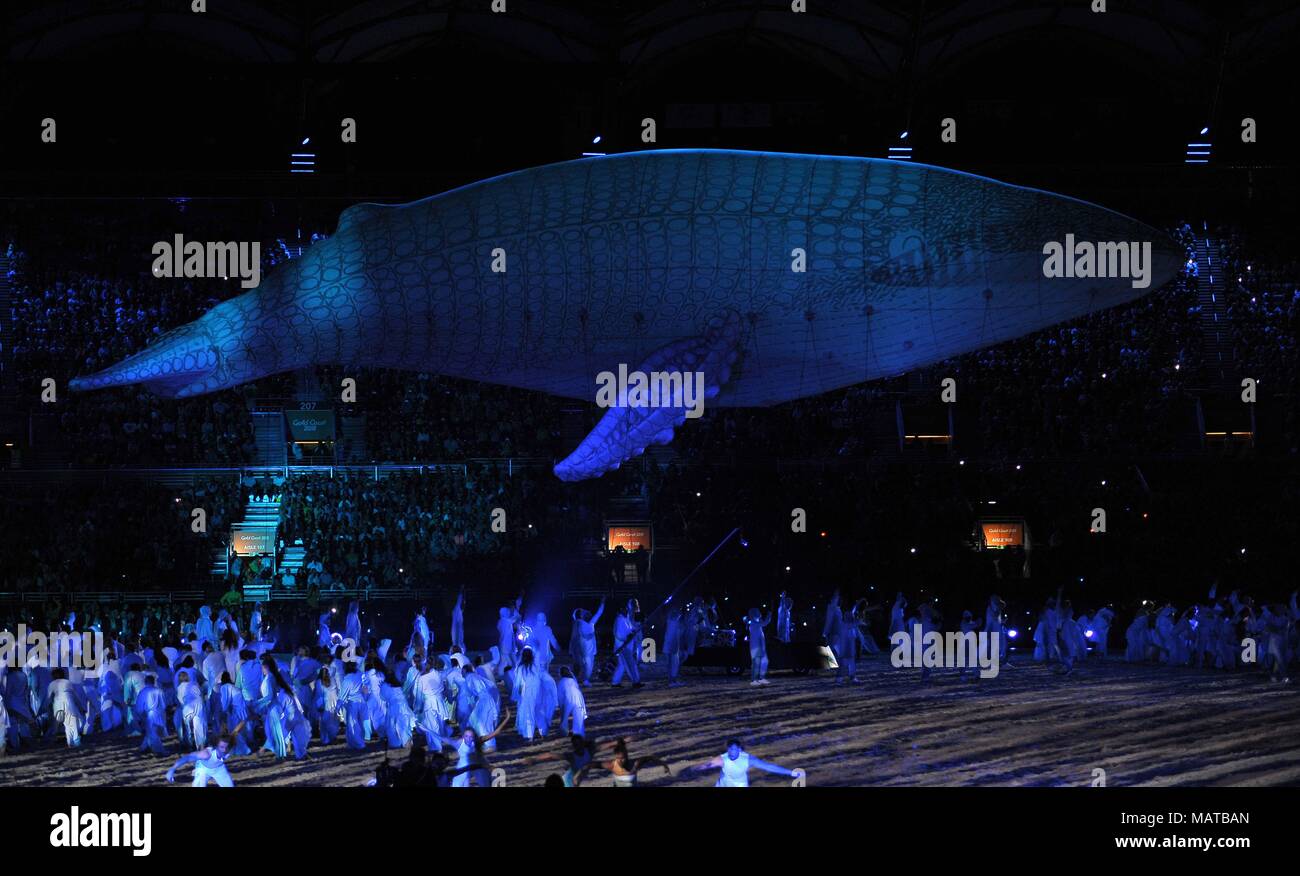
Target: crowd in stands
x=119, y=534
x=406, y=527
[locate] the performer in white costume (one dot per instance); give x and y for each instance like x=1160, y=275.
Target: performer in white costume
x=458, y=621
x=582, y=646
x=736, y=763
x=572, y=704
x=675, y=644
x=209, y=765
x=627, y=645
x=758, y=646
x=784, y=618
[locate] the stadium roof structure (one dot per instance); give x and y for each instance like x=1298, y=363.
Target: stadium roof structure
x=859, y=42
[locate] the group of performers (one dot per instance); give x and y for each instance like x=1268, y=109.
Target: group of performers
x=222, y=693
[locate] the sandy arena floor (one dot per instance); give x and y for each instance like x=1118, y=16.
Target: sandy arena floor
x=1143, y=725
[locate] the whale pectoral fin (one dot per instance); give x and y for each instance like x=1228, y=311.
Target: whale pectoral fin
x=625, y=432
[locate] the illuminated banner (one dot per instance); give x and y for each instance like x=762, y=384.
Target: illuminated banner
x=629, y=537
x=253, y=542
x=310, y=425
x=1003, y=535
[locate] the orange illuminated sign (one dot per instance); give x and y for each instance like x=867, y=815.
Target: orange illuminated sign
x=628, y=537
x=1003, y=535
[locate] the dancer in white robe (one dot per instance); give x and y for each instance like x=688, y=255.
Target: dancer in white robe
x=675, y=644
x=399, y=720
x=229, y=715
x=150, y=711
x=191, y=713
x=627, y=645
x=255, y=622
x=352, y=701
x=303, y=671
x=420, y=631
x=896, y=624
x=204, y=629
x=1138, y=637
x=583, y=644
x=756, y=621
x=505, y=639
x=834, y=617
x=472, y=766
x=485, y=705
x=1101, y=621
x=543, y=642
x=995, y=621
x=573, y=705
x=352, y=625
x=324, y=636
x=845, y=648
x=784, y=617
x=430, y=699
x=209, y=765
x=112, y=701
x=527, y=695
x=458, y=621
x=1074, y=646
x=735, y=764
x=326, y=702
x=213, y=664
x=67, y=707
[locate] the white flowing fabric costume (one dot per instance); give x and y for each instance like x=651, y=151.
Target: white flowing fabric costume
x=67, y=708
x=629, y=654
x=758, y=646
x=151, y=717
x=785, y=620
x=505, y=639
x=584, y=646
x=352, y=701
x=458, y=623
x=527, y=695
x=572, y=705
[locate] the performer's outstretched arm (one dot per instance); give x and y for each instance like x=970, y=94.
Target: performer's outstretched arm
x=757, y=764
x=184, y=759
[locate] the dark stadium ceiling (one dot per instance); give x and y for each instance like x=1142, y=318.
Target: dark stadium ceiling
x=858, y=42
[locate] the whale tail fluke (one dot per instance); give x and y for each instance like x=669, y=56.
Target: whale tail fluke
x=625, y=432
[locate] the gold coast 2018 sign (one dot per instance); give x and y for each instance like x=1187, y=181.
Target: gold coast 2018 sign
x=253, y=542
x=310, y=425
x=629, y=537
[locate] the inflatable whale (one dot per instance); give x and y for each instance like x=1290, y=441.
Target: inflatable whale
x=775, y=276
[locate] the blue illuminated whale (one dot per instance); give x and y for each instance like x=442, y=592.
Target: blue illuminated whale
x=679, y=259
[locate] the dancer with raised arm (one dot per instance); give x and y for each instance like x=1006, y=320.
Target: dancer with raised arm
x=471, y=760
x=627, y=645
x=583, y=643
